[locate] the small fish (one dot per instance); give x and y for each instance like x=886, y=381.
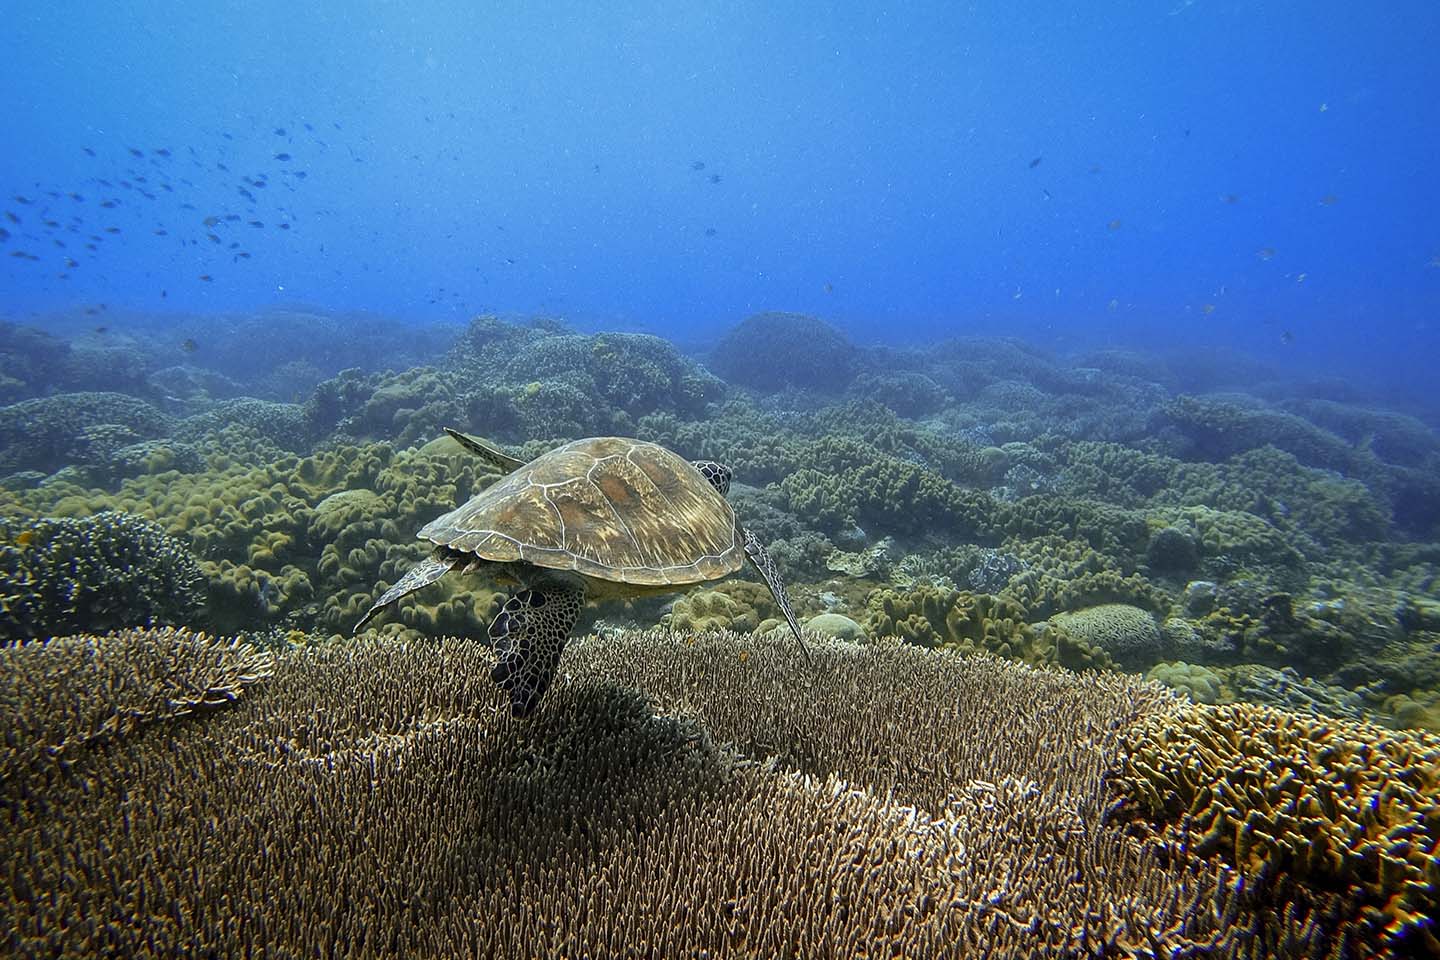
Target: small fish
x=1301, y=278
x=221, y=166
x=279, y=131
x=1329, y=199
x=101, y=330
x=284, y=226
x=189, y=345
x=211, y=220
x=282, y=157
x=112, y=229
x=1230, y=198
x=88, y=151
x=135, y=152
x=710, y=231
x=25, y=538
x=77, y=198
x=20, y=199
x=829, y=288
x=1265, y=253
x=300, y=174
x=4, y=234
x=11, y=217
x=698, y=165
x=164, y=294
x=257, y=223
x=71, y=262
x=109, y=204
x=206, y=277
x=243, y=255
x=1208, y=308
x=212, y=238
x=1036, y=162
x=161, y=232
x=1286, y=337
x=1113, y=224
x=714, y=178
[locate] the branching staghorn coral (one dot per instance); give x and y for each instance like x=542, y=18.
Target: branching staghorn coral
x=676, y=795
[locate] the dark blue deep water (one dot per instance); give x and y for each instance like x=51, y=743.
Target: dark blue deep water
x=1172, y=174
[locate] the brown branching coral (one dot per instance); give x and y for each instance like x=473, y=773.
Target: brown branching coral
x=676, y=796
x=64, y=695
x=1349, y=808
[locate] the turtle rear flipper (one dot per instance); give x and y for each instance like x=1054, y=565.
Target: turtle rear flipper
x=496, y=457
x=760, y=558
x=423, y=574
x=529, y=633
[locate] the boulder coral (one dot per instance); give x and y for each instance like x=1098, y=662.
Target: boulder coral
x=774, y=351
x=1128, y=634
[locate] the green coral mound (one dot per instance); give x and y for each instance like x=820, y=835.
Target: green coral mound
x=773, y=351
x=1126, y=633
x=93, y=574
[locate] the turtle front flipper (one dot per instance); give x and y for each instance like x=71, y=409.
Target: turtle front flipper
x=529, y=633
x=423, y=574
x=760, y=557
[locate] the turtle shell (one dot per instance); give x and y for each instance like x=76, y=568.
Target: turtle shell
x=615, y=509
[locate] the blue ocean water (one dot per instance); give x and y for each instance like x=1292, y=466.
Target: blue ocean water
x=1174, y=174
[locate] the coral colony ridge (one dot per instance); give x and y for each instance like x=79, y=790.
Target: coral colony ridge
x=1105, y=655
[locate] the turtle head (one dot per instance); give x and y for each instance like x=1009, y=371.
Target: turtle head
x=717, y=473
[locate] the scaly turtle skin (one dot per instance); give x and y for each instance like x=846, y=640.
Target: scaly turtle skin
x=600, y=517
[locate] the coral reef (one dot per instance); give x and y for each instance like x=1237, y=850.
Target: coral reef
x=956, y=808
x=1350, y=808
x=47, y=433
x=773, y=351
x=70, y=694
x=1128, y=634
x=92, y=574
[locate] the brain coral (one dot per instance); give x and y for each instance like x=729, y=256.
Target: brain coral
x=1127, y=633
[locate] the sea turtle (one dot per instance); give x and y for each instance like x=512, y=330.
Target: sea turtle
x=595, y=518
